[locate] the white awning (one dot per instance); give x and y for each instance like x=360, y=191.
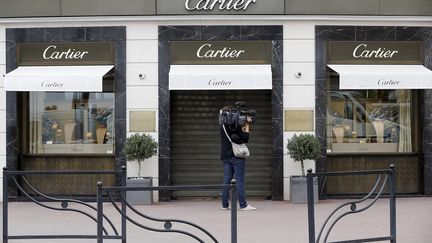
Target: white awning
x=56, y=78
x=220, y=77
x=383, y=76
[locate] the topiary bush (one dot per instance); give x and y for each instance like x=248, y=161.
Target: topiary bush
x=304, y=147
x=139, y=147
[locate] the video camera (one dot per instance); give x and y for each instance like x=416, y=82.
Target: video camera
x=234, y=117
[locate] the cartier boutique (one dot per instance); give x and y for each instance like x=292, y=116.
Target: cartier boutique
x=69, y=89
x=371, y=105
x=373, y=110
x=198, y=75
x=63, y=95
x=205, y=76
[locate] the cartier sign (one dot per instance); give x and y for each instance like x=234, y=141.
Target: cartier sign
x=208, y=5
x=362, y=51
x=374, y=52
x=221, y=52
x=51, y=52
x=206, y=51
x=220, y=7
x=61, y=53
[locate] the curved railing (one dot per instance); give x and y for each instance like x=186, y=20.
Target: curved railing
x=116, y=196
x=43, y=200
x=167, y=225
x=384, y=178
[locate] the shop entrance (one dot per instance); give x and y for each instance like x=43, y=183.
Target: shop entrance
x=195, y=140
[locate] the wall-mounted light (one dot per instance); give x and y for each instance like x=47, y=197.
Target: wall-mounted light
x=141, y=76
x=298, y=74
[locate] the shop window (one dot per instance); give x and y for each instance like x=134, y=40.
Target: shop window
x=70, y=123
x=369, y=121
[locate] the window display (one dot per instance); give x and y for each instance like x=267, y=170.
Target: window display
x=369, y=121
x=71, y=122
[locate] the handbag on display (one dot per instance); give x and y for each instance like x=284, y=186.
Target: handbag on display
x=240, y=150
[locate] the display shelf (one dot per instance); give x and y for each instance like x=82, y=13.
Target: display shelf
x=364, y=147
x=78, y=148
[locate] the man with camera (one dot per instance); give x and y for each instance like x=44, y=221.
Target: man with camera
x=234, y=128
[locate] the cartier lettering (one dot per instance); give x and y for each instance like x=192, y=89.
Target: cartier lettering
x=51, y=52
x=361, y=51
x=214, y=82
x=388, y=82
x=205, y=51
x=51, y=84
x=208, y=5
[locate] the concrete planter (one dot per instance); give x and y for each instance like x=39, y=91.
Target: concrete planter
x=139, y=197
x=298, y=189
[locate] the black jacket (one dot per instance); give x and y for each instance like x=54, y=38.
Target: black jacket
x=237, y=135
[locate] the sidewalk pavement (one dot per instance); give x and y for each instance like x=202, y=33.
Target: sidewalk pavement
x=273, y=221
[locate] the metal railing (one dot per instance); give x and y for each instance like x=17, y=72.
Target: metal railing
x=41, y=199
x=169, y=225
x=384, y=178
x=116, y=195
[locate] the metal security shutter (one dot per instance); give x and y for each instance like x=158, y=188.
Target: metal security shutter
x=195, y=140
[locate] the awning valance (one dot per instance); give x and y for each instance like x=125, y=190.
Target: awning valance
x=220, y=77
x=57, y=78
x=383, y=76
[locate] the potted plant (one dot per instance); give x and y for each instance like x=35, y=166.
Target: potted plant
x=301, y=148
x=139, y=147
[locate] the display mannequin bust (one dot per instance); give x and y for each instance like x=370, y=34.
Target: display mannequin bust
x=100, y=134
x=339, y=134
x=379, y=130
x=69, y=131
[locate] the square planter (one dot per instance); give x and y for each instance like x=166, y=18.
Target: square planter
x=139, y=197
x=298, y=189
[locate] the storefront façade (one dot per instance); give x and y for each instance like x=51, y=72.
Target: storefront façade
x=202, y=69
x=66, y=102
x=373, y=105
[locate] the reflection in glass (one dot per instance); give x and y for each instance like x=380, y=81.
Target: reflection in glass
x=368, y=121
x=71, y=122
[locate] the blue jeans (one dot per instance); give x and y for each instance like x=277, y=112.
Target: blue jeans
x=234, y=167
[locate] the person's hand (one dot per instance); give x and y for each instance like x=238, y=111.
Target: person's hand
x=248, y=119
x=246, y=127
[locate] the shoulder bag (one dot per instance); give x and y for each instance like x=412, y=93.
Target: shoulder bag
x=240, y=150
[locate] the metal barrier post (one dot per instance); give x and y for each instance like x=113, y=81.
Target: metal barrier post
x=233, y=211
x=393, y=203
x=311, y=210
x=5, y=205
x=99, y=213
x=123, y=204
